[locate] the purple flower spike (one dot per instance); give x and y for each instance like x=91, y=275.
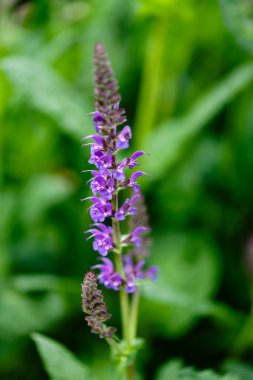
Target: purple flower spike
x=109, y=177
x=123, y=138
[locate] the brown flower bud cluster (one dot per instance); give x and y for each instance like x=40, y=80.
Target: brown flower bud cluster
x=93, y=305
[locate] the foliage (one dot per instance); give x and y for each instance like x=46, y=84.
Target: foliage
x=186, y=79
x=59, y=362
x=174, y=371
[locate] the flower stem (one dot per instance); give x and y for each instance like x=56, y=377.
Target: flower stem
x=134, y=315
x=124, y=302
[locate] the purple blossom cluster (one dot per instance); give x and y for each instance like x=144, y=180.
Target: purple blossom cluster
x=109, y=177
x=132, y=273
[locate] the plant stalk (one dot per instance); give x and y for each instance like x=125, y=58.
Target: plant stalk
x=124, y=300
x=134, y=315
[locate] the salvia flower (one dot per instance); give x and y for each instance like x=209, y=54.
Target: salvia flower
x=93, y=305
x=134, y=271
x=103, y=239
x=108, y=276
x=109, y=176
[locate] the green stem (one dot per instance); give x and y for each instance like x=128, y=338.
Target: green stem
x=134, y=315
x=114, y=345
x=124, y=302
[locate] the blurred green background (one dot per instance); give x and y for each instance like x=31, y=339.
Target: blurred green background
x=185, y=70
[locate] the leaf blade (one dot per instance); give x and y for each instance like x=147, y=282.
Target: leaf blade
x=60, y=363
x=166, y=143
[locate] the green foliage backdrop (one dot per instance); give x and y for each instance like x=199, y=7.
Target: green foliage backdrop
x=185, y=70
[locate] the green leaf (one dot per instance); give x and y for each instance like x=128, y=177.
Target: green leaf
x=46, y=91
x=42, y=192
x=238, y=17
x=242, y=370
x=166, y=143
x=169, y=370
x=188, y=277
x=21, y=314
x=44, y=282
x=60, y=363
x=173, y=370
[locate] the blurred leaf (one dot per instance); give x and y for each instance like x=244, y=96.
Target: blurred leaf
x=242, y=370
x=61, y=43
x=21, y=314
x=189, y=274
x=166, y=143
x=45, y=282
x=179, y=308
x=238, y=16
x=188, y=262
x=8, y=203
x=47, y=92
x=165, y=7
x=42, y=192
x=169, y=370
x=60, y=363
x=173, y=370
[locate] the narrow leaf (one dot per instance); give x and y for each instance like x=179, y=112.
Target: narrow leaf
x=46, y=91
x=166, y=143
x=238, y=17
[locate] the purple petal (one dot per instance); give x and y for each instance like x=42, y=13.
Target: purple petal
x=116, y=281
x=98, y=117
x=136, y=175
x=137, y=154
x=139, y=266
x=123, y=138
x=139, y=230
x=130, y=285
x=152, y=272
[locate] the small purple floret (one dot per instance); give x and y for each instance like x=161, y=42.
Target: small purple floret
x=123, y=138
x=108, y=277
x=100, y=210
